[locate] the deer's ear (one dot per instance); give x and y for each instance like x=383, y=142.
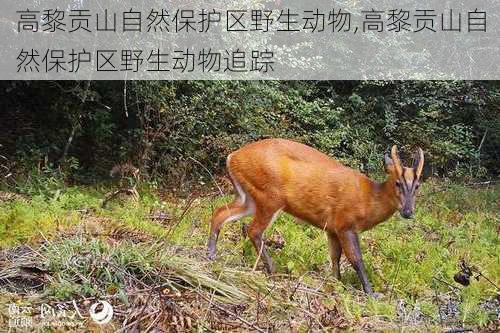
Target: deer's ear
x=418, y=162
x=388, y=164
x=396, y=160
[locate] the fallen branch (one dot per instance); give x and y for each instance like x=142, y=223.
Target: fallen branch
x=459, y=330
x=135, y=322
x=244, y=321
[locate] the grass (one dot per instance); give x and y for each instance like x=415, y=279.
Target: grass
x=412, y=262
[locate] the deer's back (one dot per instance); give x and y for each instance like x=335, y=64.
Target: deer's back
x=294, y=177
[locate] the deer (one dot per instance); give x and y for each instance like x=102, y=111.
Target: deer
x=278, y=175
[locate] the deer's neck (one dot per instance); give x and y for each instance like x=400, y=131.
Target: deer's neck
x=384, y=202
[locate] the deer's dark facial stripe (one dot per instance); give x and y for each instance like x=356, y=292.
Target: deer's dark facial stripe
x=407, y=185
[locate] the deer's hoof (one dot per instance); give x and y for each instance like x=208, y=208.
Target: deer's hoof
x=211, y=254
x=376, y=295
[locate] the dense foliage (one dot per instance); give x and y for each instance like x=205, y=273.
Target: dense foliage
x=182, y=131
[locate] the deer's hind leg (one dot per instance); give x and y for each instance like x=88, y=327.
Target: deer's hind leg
x=262, y=219
x=231, y=212
x=242, y=206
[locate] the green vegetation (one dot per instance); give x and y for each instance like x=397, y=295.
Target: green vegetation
x=411, y=263
x=61, y=143
x=163, y=127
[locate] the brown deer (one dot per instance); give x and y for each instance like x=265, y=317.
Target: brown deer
x=275, y=175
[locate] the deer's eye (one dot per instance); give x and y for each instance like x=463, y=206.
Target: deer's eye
x=398, y=184
x=417, y=186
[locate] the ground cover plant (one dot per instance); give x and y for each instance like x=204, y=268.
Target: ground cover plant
x=147, y=257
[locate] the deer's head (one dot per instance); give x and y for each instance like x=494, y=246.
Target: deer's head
x=406, y=179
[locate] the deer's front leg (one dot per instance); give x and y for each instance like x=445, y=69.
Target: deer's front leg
x=350, y=245
x=335, y=253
